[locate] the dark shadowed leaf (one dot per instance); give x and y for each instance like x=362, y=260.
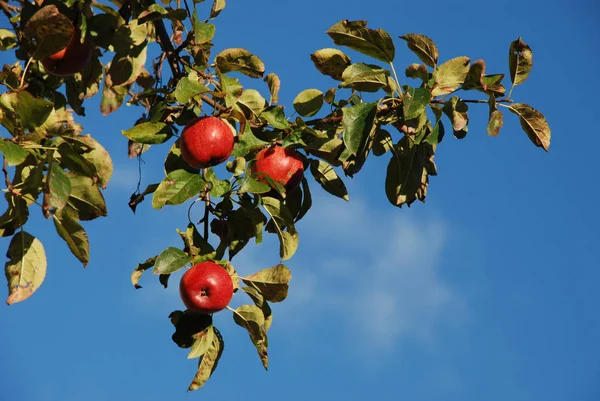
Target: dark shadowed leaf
x=85, y=201
x=240, y=60
x=423, y=47
x=358, y=122
x=74, y=235
x=177, y=187
x=58, y=186
x=330, y=181
x=272, y=283
x=520, y=61
x=408, y=172
x=355, y=35
x=50, y=30
x=25, y=269
x=533, y=123
x=330, y=62
x=308, y=102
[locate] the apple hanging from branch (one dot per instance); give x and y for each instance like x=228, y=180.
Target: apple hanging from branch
x=206, y=288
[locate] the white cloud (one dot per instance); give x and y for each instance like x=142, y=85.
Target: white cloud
x=376, y=272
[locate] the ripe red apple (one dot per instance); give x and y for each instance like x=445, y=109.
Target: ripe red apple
x=206, y=141
x=206, y=288
x=70, y=60
x=283, y=165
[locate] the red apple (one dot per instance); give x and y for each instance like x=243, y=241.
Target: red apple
x=283, y=165
x=206, y=141
x=70, y=60
x=206, y=288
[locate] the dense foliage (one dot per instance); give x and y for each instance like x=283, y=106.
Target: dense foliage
x=70, y=50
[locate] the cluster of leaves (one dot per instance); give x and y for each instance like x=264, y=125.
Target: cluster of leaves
x=368, y=111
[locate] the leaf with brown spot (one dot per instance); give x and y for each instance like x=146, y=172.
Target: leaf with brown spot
x=26, y=268
x=533, y=123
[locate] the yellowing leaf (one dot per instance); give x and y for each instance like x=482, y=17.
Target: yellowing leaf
x=26, y=268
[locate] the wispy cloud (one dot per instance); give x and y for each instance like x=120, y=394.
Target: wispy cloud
x=376, y=272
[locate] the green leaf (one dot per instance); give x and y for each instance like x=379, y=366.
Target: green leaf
x=140, y=269
x=283, y=220
x=330, y=62
x=357, y=122
x=188, y=87
x=69, y=229
x=177, y=187
x=209, y=360
x=365, y=77
x=85, y=201
x=170, y=260
x=217, y=7
x=308, y=102
x=202, y=342
x=355, y=35
x=251, y=318
x=25, y=269
x=274, y=84
x=408, y=172
x=247, y=142
x=423, y=47
x=23, y=112
x=240, y=60
x=450, y=76
x=249, y=184
x=520, y=61
x=275, y=116
x=8, y=39
x=272, y=283
x=533, y=123
x=203, y=32
x=149, y=133
x=415, y=102
x=58, y=187
x=13, y=153
x=330, y=181
x=219, y=187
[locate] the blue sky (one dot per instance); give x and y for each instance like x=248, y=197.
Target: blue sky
x=486, y=292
